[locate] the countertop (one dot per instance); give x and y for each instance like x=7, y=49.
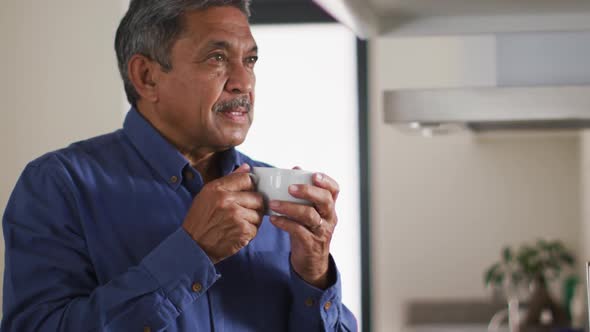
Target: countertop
x=451, y=328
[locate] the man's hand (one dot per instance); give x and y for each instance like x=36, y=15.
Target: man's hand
x=310, y=227
x=224, y=217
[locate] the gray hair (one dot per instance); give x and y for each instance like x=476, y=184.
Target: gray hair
x=151, y=27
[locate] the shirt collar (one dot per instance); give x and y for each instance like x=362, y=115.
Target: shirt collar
x=230, y=160
x=163, y=156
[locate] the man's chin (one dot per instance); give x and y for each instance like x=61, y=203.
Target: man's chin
x=232, y=141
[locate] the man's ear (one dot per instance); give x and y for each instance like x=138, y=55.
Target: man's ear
x=143, y=74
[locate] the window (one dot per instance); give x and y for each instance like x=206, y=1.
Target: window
x=306, y=115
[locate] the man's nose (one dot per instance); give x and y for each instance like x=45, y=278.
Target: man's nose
x=241, y=79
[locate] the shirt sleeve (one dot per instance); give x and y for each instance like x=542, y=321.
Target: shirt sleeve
x=316, y=310
x=49, y=280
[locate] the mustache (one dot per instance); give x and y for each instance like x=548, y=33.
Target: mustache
x=223, y=106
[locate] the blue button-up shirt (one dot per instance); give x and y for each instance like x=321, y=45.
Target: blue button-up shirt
x=94, y=243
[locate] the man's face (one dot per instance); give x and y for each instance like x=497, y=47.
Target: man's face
x=212, y=65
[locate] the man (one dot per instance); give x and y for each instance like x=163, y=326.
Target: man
x=156, y=227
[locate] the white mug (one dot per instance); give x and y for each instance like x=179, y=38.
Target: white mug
x=273, y=184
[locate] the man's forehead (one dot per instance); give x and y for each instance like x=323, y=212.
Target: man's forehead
x=219, y=24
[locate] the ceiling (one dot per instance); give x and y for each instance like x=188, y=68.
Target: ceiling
x=370, y=18
x=415, y=8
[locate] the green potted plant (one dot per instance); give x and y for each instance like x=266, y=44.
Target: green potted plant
x=531, y=268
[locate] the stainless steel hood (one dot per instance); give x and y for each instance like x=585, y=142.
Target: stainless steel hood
x=542, y=61
x=493, y=108
x=542, y=82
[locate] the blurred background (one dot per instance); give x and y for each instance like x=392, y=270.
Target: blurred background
x=362, y=90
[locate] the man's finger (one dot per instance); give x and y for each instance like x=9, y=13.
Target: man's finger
x=294, y=229
x=249, y=200
x=253, y=217
x=244, y=168
x=324, y=181
x=320, y=197
x=301, y=214
x=239, y=180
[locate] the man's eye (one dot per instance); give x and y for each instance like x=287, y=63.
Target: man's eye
x=218, y=57
x=251, y=60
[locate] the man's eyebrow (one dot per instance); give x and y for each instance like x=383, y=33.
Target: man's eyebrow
x=217, y=44
x=220, y=44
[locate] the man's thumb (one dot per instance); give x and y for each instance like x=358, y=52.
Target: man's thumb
x=244, y=168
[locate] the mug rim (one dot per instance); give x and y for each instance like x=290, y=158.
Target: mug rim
x=277, y=169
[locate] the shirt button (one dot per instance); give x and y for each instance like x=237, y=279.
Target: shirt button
x=147, y=329
x=197, y=287
x=309, y=302
x=174, y=179
x=327, y=305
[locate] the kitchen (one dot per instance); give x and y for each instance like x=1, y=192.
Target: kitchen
x=443, y=207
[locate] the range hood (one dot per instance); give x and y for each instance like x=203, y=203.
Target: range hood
x=542, y=82
x=491, y=108
x=541, y=71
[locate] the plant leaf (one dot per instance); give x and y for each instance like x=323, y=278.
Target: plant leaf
x=543, y=244
x=507, y=254
x=491, y=273
x=567, y=258
x=498, y=279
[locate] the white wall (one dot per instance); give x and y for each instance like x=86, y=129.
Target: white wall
x=59, y=79
x=443, y=207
